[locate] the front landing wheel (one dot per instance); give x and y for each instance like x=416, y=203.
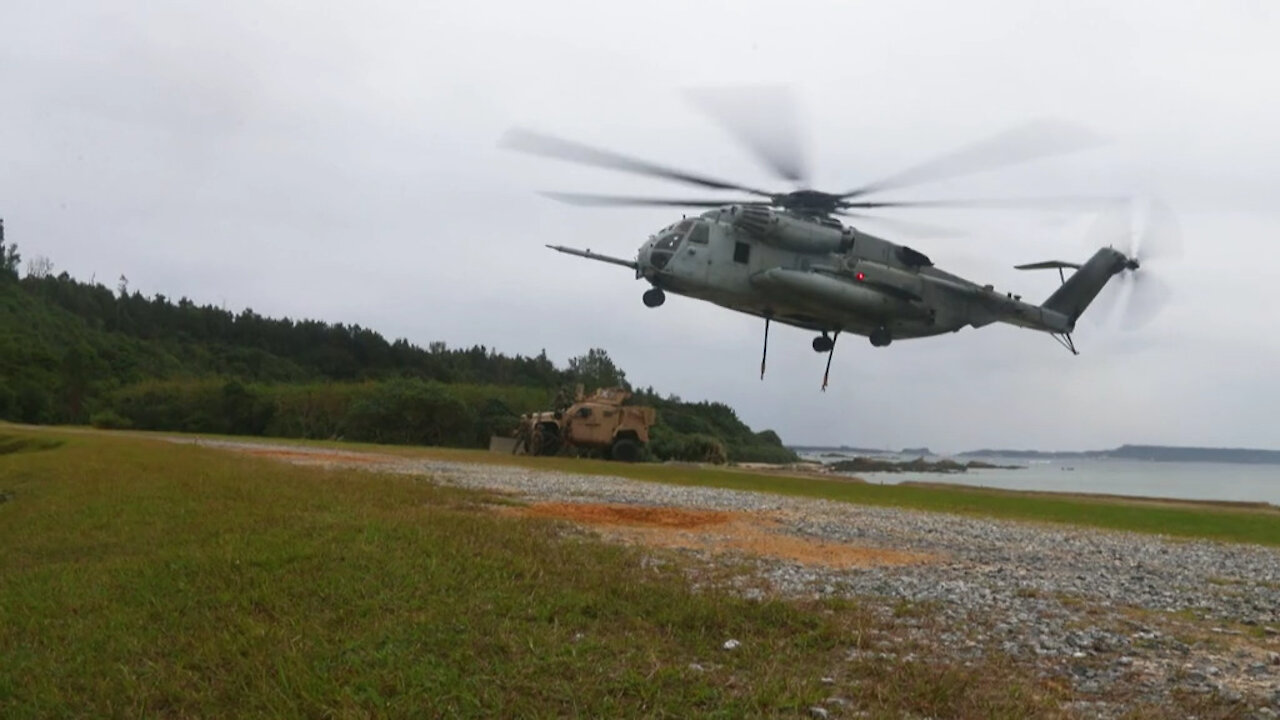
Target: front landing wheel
x=654, y=297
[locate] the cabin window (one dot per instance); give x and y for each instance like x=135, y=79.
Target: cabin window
x=584, y=412
x=699, y=234
x=741, y=253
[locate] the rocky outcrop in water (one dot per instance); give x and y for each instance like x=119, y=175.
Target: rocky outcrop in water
x=945, y=466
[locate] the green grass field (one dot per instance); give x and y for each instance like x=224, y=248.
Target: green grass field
x=141, y=578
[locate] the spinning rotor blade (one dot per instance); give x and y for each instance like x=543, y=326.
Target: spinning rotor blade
x=1158, y=235
x=1081, y=202
x=553, y=147
x=1021, y=144
x=619, y=200
x=763, y=118
x=1148, y=296
x=1146, y=233
x=1135, y=301
x=1144, y=230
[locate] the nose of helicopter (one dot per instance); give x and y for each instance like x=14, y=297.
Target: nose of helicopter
x=644, y=260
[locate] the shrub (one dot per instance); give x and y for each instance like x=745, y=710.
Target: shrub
x=410, y=412
x=109, y=420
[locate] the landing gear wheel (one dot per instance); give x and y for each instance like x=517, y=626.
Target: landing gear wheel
x=822, y=343
x=625, y=450
x=653, y=297
x=880, y=337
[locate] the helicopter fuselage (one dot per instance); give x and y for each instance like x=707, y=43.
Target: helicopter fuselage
x=819, y=275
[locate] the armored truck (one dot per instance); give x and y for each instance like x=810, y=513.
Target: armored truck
x=598, y=422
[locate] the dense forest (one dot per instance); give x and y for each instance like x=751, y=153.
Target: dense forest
x=80, y=353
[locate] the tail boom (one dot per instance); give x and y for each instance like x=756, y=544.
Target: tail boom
x=1079, y=290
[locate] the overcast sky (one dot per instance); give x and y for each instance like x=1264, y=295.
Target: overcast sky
x=339, y=161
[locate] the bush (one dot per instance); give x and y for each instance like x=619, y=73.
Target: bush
x=762, y=453
x=312, y=411
x=244, y=410
x=704, y=449
x=32, y=405
x=410, y=412
x=666, y=444
x=768, y=437
x=109, y=420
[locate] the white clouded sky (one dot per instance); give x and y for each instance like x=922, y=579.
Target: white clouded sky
x=340, y=161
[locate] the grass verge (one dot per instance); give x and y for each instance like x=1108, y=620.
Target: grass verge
x=142, y=578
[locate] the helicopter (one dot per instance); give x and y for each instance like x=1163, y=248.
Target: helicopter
x=787, y=258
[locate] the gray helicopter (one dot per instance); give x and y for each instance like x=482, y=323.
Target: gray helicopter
x=786, y=258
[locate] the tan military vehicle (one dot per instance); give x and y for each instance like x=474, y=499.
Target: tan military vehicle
x=597, y=422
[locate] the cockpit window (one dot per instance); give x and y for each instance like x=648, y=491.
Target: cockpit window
x=699, y=233
x=669, y=240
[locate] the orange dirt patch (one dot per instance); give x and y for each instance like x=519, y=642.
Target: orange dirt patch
x=719, y=532
x=304, y=456
x=635, y=515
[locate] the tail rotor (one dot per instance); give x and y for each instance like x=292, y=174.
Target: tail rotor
x=1147, y=233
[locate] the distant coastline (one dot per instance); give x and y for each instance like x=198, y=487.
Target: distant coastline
x=1151, y=453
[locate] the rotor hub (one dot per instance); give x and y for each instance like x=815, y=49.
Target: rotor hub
x=808, y=202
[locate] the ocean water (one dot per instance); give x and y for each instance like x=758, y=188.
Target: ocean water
x=1141, y=478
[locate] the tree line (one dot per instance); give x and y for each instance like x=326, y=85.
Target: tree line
x=80, y=353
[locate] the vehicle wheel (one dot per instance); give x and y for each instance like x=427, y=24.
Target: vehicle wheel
x=625, y=450
x=880, y=337
x=653, y=297
x=822, y=344
x=545, y=442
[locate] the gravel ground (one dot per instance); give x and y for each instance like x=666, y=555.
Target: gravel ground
x=1120, y=617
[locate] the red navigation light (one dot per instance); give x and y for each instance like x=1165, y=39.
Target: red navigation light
x=860, y=277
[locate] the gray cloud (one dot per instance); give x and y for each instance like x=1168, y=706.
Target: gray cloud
x=339, y=161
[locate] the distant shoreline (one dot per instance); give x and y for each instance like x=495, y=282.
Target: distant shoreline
x=1150, y=453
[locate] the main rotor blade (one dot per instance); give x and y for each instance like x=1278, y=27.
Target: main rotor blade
x=1037, y=139
x=616, y=200
x=763, y=118
x=560, y=149
x=1079, y=202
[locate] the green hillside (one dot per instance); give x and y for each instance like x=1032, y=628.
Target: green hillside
x=79, y=353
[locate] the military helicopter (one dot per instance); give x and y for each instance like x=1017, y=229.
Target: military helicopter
x=785, y=257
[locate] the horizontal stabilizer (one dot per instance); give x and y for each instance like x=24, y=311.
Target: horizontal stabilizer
x=1048, y=265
